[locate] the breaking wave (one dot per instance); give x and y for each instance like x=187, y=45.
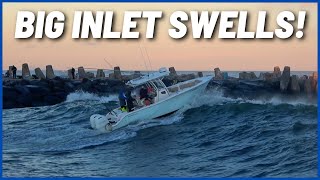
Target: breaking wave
x=84, y=96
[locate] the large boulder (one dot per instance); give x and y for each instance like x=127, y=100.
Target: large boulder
x=294, y=84
x=247, y=76
x=49, y=72
x=9, y=93
x=285, y=79
x=308, y=87
x=100, y=73
x=10, y=71
x=314, y=81
x=111, y=76
x=89, y=75
x=69, y=87
x=117, y=72
x=266, y=76
x=302, y=80
x=276, y=72
x=22, y=89
x=39, y=73
x=70, y=74
x=25, y=71
x=217, y=74
x=81, y=72
x=41, y=91
x=138, y=73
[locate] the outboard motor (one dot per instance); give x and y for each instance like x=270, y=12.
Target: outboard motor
x=102, y=123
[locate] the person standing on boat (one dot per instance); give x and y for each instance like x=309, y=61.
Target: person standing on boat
x=143, y=93
x=129, y=100
x=122, y=100
x=144, y=97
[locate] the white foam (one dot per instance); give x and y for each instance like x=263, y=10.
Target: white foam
x=83, y=96
x=276, y=100
x=216, y=97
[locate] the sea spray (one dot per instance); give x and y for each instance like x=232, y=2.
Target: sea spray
x=217, y=96
x=84, y=96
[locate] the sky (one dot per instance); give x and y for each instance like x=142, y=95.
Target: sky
x=163, y=51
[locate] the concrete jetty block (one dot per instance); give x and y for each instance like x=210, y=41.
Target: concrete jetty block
x=25, y=71
x=117, y=72
x=10, y=72
x=200, y=74
x=314, y=81
x=285, y=79
x=49, y=72
x=172, y=71
x=111, y=75
x=294, y=84
x=39, y=73
x=81, y=72
x=89, y=75
x=70, y=74
x=247, y=75
x=276, y=72
x=137, y=72
x=302, y=81
x=100, y=73
x=217, y=74
x=308, y=86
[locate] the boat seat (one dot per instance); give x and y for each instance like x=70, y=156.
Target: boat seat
x=173, y=89
x=187, y=85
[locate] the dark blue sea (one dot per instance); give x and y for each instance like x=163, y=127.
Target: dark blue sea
x=214, y=137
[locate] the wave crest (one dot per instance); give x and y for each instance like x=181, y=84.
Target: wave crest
x=83, y=96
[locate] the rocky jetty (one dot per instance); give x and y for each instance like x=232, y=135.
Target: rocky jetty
x=49, y=89
x=250, y=86
x=30, y=93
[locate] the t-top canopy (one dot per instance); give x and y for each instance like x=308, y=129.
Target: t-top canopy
x=148, y=77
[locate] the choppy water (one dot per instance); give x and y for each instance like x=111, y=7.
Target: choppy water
x=216, y=137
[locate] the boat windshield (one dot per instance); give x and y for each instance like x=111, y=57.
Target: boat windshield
x=159, y=84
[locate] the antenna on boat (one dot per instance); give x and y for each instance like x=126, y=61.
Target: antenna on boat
x=143, y=59
x=145, y=49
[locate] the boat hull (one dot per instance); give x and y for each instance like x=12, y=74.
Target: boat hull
x=175, y=102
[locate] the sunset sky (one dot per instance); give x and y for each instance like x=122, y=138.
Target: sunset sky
x=185, y=54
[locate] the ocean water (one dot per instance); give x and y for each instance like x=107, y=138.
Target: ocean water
x=214, y=137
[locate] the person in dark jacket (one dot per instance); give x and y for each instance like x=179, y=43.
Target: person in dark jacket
x=73, y=71
x=122, y=100
x=14, y=72
x=129, y=101
x=143, y=93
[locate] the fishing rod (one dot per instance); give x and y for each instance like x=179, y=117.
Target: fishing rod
x=110, y=110
x=108, y=63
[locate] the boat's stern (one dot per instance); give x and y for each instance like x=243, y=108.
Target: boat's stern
x=102, y=123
